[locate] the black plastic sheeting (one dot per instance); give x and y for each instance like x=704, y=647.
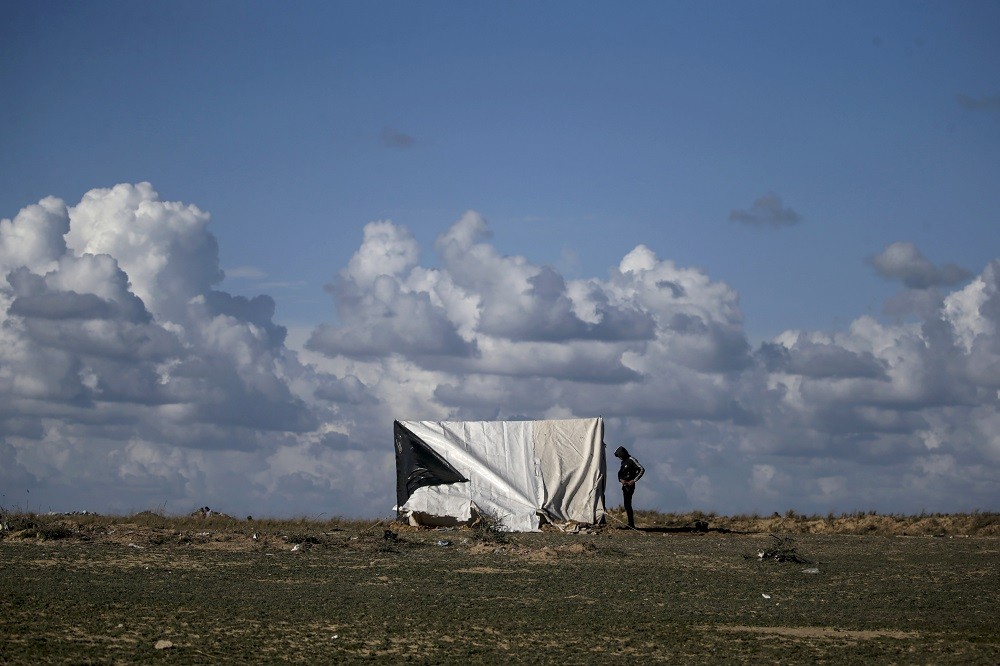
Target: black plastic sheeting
x=417, y=465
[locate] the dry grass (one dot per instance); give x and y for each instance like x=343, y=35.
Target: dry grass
x=110, y=589
x=18, y=524
x=978, y=523
x=157, y=527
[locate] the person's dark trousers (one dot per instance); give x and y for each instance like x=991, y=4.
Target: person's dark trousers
x=627, y=492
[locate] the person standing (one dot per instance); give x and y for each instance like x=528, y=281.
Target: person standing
x=629, y=472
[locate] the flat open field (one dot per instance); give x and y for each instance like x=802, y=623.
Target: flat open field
x=153, y=589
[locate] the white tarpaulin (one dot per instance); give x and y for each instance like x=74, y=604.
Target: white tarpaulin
x=516, y=470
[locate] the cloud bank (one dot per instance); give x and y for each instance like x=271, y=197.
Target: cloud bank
x=130, y=380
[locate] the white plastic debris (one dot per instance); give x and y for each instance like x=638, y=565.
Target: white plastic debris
x=811, y=570
x=766, y=596
x=296, y=547
x=443, y=542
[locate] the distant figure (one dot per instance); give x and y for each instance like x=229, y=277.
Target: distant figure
x=630, y=472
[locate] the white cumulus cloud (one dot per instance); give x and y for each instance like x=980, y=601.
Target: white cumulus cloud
x=128, y=378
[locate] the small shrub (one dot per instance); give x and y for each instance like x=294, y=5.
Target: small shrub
x=53, y=532
x=17, y=522
x=154, y=518
x=782, y=550
x=489, y=527
x=983, y=522
x=32, y=526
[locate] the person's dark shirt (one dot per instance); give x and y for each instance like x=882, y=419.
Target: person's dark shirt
x=630, y=470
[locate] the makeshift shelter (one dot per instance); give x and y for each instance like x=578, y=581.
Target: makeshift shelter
x=523, y=472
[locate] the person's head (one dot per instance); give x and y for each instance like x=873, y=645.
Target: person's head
x=621, y=452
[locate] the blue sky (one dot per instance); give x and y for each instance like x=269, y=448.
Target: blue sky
x=776, y=148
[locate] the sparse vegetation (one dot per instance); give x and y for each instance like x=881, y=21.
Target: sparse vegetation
x=781, y=549
x=979, y=523
x=85, y=588
x=220, y=589
x=27, y=525
x=489, y=527
x=20, y=524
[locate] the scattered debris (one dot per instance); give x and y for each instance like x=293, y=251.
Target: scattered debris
x=390, y=536
x=208, y=512
x=296, y=547
x=203, y=512
x=811, y=570
x=766, y=596
x=443, y=542
x=163, y=645
x=573, y=527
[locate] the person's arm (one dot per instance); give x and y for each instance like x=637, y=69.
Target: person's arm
x=642, y=470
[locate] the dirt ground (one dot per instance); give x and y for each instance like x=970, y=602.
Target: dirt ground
x=158, y=590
